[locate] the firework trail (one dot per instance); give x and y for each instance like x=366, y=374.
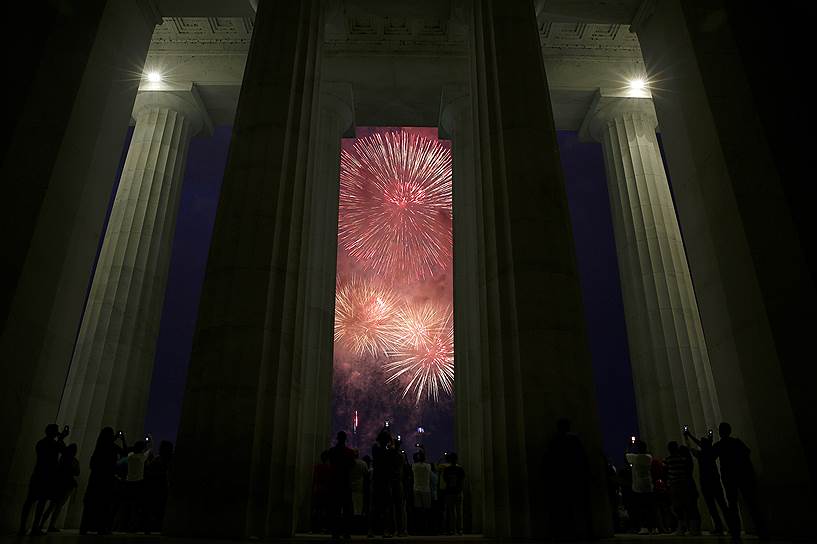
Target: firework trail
x=424, y=357
x=364, y=315
x=395, y=205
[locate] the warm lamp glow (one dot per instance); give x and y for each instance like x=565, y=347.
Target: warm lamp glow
x=638, y=85
x=154, y=77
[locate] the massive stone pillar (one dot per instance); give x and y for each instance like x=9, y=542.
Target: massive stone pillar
x=671, y=373
x=457, y=123
x=755, y=294
x=316, y=313
x=59, y=169
x=536, y=362
x=250, y=400
x=109, y=379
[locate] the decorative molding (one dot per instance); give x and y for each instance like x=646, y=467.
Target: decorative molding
x=206, y=35
x=372, y=34
x=585, y=40
x=384, y=35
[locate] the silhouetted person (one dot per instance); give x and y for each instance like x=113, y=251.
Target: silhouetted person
x=99, y=505
x=397, y=492
x=341, y=460
x=454, y=477
x=43, y=479
x=709, y=479
x=382, y=511
x=738, y=477
x=359, y=477
x=157, y=474
x=321, y=494
x=421, y=472
x=683, y=493
x=568, y=498
x=436, y=516
x=64, y=484
x=135, y=512
x=641, y=469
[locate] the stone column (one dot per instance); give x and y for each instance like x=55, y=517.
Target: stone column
x=57, y=176
x=457, y=123
x=536, y=359
x=752, y=281
x=673, y=379
x=316, y=315
x=109, y=380
x=247, y=394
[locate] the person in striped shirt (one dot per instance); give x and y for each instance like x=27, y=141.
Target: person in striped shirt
x=682, y=489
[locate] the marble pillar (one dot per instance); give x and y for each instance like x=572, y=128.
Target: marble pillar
x=63, y=160
x=248, y=400
x=536, y=359
x=671, y=372
x=755, y=294
x=457, y=124
x=316, y=314
x=109, y=380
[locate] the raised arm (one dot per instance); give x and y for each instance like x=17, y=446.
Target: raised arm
x=688, y=435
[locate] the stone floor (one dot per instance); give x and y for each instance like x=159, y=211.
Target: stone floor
x=74, y=538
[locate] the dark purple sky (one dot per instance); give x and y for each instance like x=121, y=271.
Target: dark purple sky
x=191, y=243
x=590, y=213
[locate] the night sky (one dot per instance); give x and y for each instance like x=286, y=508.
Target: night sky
x=590, y=213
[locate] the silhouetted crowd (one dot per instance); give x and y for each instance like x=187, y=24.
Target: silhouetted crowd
x=384, y=494
x=127, y=486
x=655, y=495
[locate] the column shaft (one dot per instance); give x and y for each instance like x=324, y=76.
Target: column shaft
x=109, y=380
x=671, y=370
x=537, y=360
x=754, y=290
x=245, y=392
x=457, y=121
x=67, y=148
x=316, y=314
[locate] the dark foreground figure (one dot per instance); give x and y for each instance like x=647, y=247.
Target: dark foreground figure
x=42, y=486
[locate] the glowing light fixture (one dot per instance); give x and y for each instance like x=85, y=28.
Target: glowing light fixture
x=638, y=85
x=154, y=77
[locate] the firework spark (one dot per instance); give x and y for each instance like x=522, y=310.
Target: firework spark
x=395, y=204
x=364, y=315
x=424, y=357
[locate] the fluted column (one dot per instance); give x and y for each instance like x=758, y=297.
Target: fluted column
x=671, y=369
x=457, y=123
x=109, y=379
x=57, y=176
x=249, y=394
x=316, y=316
x=537, y=361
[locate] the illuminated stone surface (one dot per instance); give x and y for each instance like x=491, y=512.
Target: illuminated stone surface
x=671, y=371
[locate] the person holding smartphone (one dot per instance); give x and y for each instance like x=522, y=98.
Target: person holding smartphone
x=99, y=504
x=709, y=479
x=43, y=479
x=642, y=484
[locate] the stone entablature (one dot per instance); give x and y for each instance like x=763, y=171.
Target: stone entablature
x=208, y=35
x=373, y=34
x=588, y=40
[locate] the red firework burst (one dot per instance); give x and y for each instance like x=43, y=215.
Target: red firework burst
x=424, y=357
x=364, y=315
x=395, y=204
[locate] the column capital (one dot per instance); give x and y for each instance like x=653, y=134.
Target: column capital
x=181, y=97
x=608, y=106
x=337, y=98
x=454, y=100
